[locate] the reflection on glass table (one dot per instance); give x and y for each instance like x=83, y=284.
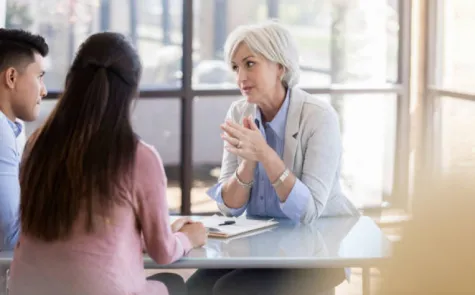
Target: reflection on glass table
x=285, y=241
x=329, y=242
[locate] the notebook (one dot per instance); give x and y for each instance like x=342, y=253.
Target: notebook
x=241, y=225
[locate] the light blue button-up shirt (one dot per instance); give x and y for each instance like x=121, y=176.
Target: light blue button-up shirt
x=9, y=183
x=263, y=201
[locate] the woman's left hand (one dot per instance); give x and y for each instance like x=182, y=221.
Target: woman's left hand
x=247, y=143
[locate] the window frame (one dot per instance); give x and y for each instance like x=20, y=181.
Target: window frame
x=186, y=94
x=435, y=92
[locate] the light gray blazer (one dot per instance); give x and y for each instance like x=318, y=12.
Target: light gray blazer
x=312, y=151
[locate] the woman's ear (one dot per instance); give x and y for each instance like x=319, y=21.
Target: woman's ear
x=281, y=72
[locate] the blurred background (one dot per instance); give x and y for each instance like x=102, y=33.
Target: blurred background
x=398, y=72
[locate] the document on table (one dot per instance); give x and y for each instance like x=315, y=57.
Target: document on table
x=217, y=227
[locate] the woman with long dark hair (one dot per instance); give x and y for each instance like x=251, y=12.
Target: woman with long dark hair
x=93, y=195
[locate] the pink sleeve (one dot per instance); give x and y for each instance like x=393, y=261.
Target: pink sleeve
x=161, y=243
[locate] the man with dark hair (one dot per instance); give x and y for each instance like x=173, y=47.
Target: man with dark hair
x=21, y=91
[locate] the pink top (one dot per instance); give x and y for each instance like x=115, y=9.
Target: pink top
x=109, y=261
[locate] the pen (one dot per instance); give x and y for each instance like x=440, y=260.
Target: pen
x=228, y=222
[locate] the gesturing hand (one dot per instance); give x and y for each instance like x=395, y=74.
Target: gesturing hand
x=245, y=141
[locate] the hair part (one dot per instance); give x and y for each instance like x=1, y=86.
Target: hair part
x=18, y=47
x=80, y=160
x=271, y=40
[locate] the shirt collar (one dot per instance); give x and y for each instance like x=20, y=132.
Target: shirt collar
x=278, y=123
x=16, y=126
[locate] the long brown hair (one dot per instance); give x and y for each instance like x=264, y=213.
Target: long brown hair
x=78, y=158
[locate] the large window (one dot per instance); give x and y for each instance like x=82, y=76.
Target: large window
x=340, y=42
x=456, y=61
x=457, y=145
x=65, y=24
x=351, y=42
x=451, y=88
x=351, y=53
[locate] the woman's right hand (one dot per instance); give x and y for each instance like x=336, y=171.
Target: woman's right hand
x=196, y=233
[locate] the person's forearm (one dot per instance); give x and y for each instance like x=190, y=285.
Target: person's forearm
x=274, y=167
x=234, y=194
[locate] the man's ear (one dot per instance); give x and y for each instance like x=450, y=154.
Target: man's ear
x=10, y=77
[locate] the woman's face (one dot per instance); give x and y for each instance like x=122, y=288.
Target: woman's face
x=257, y=77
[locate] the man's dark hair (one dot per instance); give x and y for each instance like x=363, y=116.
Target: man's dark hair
x=17, y=48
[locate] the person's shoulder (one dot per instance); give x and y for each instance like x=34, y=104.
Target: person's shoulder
x=146, y=152
x=147, y=158
x=315, y=107
x=7, y=137
x=4, y=122
x=240, y=108
x=312, y=101
x=149, y=169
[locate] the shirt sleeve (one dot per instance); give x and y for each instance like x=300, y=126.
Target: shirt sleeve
x=160, y=242
x=9, y=196
x=215, y=193
x=296, y=203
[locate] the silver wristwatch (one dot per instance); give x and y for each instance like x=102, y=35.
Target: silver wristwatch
x=281, y=178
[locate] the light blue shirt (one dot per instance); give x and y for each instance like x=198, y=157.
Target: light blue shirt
x=263, y=201
x=9, y=183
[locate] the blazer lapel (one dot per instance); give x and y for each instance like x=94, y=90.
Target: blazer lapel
x=292, y=127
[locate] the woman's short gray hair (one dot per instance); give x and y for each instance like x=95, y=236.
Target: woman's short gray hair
x=271, y=40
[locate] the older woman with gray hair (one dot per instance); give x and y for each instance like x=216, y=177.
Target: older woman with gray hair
x=281, y=158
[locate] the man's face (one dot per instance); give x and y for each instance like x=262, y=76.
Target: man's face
x=28, y=90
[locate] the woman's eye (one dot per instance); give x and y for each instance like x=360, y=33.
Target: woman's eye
x=234, y=68
x=250, y=64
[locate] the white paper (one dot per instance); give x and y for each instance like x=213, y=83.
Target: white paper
x=241, y=225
